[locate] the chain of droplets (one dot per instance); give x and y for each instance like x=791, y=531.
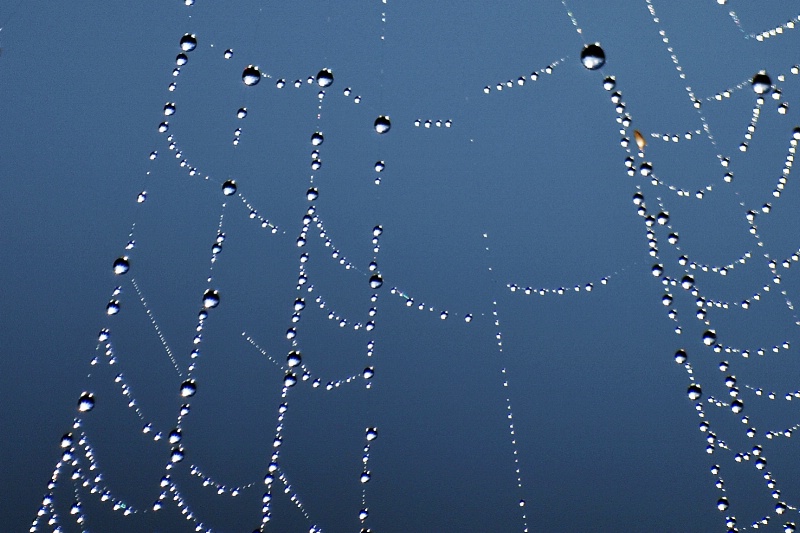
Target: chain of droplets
x=709, y=339
x=507, y=397
x=520, y=81
x=766, y=34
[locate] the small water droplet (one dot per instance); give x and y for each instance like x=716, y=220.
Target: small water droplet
x=317, y=138
x=375, y=281
x=610, y=83
x=228, y=54
x=241, y=113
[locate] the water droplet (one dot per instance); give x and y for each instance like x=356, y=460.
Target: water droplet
x=229, y=188
x=85, y=403
x=610, y=83
x=251, y=75
x=382, y=124
x=312, y=194
x=694, y=391
x=177, y=455
x=113, y=307
x=317, y=138
x=289, y=380
x=375, y=281
x=325, y=78
x=174, y=436
x=593, y=57
x=228, y=54
x=210, y=298
x=294, y=359
x=369, y=372
x=188, y=42
x=722, y=504
x=709, y=337
x=380, y=166
x=188, y=388
x=365, y=476
x=241, y=113
x=372, y=434
x=121, y=265
x=761, y=83
x=680, y=356
x=181, y=59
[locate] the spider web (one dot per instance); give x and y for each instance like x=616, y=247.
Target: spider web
x=324, y=327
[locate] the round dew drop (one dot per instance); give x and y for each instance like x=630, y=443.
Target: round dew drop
x=251, y=75
x=593, y=57
x=383, y=124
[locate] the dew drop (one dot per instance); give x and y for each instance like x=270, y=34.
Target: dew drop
x=709, y=337
x=188, y=42
x=228, y=54
x=325, y=78
x=372, y=434
x=382, y=124
x=380, y=166
x=317, y=138
x=375, y=281
x=241, y=113
x=610, y=83
x=229, y=188
x=85, y=403
x=188, y=388
x=113, y=307
x=593, y=57
x=251, y=75
x=694, y=392
x=312, y=194
x=294, y=359
x=210, y=299
x=680, y=357
x=761, y=83
x=121, y=265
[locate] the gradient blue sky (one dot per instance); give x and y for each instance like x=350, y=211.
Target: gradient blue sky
x=606, y=437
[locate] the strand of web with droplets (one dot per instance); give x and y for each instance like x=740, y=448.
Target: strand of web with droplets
x=87, y=400
x=737, y=404
x=653, y=246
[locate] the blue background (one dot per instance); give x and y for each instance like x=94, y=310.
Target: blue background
x=606, y=437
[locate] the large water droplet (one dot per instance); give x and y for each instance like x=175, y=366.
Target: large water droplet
x=229, y=188
x=317, y=138
x=188, y=42
x=325, y=77
x=294, y=359
x=375, y=281
x=593, y=57
x=188, y=388
x=86, y=402
x=210, y=298
x=694, y=391
x=121, y=265
x=251, y=75
x=761, y=83
x=383, y=124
